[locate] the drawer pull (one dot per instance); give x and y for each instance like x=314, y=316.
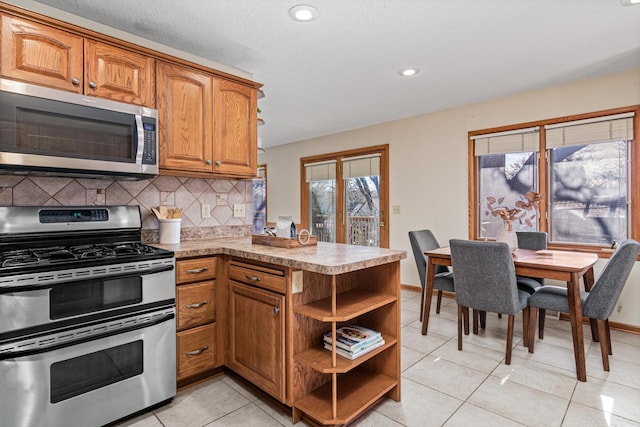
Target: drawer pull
x=197, y=304
x=197, y=270
x=252, y=278
x=197, y=352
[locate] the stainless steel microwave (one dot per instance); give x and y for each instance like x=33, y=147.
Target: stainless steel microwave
x=46, y=131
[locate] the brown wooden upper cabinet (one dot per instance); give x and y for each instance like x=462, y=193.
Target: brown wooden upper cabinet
x=207, y=124
x=46, y=56
x=235, y=149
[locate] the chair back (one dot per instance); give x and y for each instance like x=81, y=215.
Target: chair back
x=421, y=241
x=485, y=276
x=534, y=240
x=606, y=290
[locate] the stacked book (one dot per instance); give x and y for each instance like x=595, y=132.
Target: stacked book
x=353, y=341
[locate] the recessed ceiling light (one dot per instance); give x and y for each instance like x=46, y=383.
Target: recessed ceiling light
x=303, y=13
x=408, y=72
x=630, y=2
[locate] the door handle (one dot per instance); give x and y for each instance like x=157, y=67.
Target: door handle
x=196, y=305
x=198, y=270
x=276, y=310
x=198, y=351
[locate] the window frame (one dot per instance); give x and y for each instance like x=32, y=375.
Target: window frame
x=543, y=177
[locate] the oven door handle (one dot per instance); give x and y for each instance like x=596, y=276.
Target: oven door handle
x=154, y=270
x=46, y=348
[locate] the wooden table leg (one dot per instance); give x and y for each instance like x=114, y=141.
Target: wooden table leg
x=428, y=294
x=575, y=313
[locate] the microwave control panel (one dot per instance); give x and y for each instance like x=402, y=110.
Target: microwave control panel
x=150, y=141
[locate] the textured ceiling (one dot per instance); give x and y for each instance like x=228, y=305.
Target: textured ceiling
x=340, y=72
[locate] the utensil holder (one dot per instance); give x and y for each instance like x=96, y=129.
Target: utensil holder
x=170, y=230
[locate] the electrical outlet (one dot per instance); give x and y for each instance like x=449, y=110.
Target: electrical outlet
x=296, y=282
x=238, y=210
x=206, y=211
x=395, y=210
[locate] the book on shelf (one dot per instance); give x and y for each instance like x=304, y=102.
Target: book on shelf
x=354, y=355
x=353, y=337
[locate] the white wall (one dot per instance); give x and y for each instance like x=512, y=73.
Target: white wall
x=428, y=162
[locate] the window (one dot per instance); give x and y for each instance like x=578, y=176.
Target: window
x=260, y=200
x=584, y=169
x=344, y=196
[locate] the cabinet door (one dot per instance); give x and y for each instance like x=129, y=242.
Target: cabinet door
x=118, y=74
x=185, y=113
x=235, y=148
x=256, y=337
x=41, y=55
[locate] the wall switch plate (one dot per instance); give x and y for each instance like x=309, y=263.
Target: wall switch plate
x=296, y=282
x=238, y=210
x=206, y=211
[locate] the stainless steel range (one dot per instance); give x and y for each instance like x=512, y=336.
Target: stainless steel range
x=87, y=316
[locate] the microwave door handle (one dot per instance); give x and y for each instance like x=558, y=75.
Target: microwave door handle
x=140, y=133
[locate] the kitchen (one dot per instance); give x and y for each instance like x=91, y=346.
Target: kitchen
x=222, y=194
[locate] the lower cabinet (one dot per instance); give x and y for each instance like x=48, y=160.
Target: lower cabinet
x=257, y=334
x=196, y=324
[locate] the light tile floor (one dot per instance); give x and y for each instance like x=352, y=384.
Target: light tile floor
x=442, y=386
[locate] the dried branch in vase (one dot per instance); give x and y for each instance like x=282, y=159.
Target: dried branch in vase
x=521, y=210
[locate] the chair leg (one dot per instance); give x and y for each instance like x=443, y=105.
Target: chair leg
x=507, y=359
x=465, y=314
x=475, y=321
x=460, y=315
x=525, y=327
x=439, y=302
x=542, y=315
x=483, y=319
x=422, y=304
x=604, y=350
x=606, y=324
x=533, y=312
x=499, y=315
x=594, y=329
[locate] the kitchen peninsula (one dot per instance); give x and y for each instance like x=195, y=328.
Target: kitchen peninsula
x=262, y=311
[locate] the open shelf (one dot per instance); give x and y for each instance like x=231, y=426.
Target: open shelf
x=349, y=305
x=357, y=391
x=319, y=358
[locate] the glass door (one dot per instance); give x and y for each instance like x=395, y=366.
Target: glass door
x=344, y=196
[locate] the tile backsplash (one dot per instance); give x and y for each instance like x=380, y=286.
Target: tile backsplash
x=186, y=193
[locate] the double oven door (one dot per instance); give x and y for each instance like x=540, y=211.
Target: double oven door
x=86, y=350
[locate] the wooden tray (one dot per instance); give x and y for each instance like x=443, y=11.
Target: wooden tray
x=282, y=242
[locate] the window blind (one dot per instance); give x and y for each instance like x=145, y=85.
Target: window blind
x=519, y=140
x=355, y=167
x=591, y=131
x=320, y=171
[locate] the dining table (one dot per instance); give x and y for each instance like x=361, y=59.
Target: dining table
x=566, y=266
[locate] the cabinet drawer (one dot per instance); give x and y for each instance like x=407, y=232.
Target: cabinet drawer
x=192, y=270
x=196, y=350
x=196, y=304
x=258, y=276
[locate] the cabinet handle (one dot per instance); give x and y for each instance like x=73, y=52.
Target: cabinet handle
x=75, y=81
x=276, y=310
x=197, y=270
x=93, y=85
x=198, y=351
x=208, y=161
x=252, y=278
x=197, y=304
x=218, y=163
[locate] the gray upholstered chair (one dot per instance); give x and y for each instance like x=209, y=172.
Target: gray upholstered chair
x=486, y=281
x=534, y=240
x=599, y=302
x=421, y=241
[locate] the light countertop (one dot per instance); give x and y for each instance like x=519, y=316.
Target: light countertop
x=325, y=258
